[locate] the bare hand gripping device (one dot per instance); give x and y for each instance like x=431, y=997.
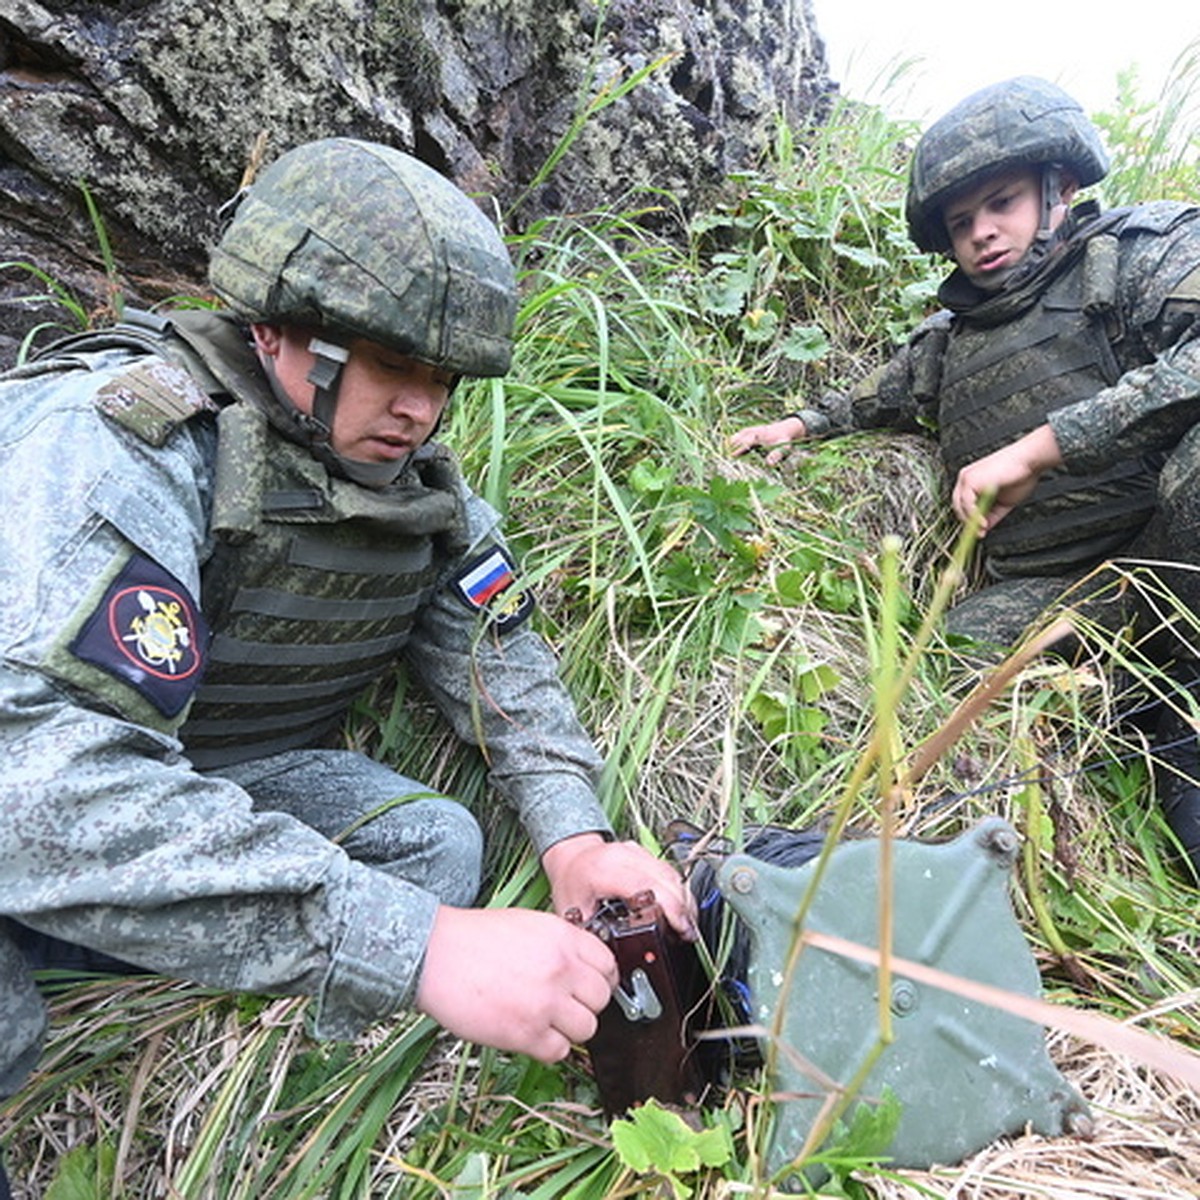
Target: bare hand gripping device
x=645, y=1042
x=964, y=1071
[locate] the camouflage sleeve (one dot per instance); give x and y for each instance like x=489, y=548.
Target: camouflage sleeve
x=878, y=401
x=497, y=683
x=827, y=416
x=1157, y=399
x=110, y=838
x=901, y=394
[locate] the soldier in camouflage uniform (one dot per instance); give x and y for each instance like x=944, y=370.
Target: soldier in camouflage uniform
x=1062, y=374
x=231, y=523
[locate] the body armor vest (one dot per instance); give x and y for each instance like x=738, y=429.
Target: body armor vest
x=1014, y=359
x=314, y=582
x=311, y=591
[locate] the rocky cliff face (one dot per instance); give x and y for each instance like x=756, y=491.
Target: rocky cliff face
x=152, y=111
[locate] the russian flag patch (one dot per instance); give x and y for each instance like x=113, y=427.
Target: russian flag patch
x=488, y=585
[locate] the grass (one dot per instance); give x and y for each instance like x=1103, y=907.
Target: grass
x=747, y=645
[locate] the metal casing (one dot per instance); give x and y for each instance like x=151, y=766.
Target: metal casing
x=965, y=1073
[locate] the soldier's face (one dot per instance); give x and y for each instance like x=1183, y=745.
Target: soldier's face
x=993, y=224
x=387, y=404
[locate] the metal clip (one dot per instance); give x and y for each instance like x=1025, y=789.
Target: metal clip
x=639, y=1003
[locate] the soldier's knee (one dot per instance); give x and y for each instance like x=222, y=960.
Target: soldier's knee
x=987, y=625
x=22, y=1016
x=460, y=848
x=433, y=842
x=1179, y=496
x=995, y=618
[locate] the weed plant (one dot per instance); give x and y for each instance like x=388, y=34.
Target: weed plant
x=1156, y=138
x=748, y=645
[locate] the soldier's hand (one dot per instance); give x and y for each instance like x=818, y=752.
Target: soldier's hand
x=515, y=979
x=774, y=436
x=585, y=869
x=1009, y=474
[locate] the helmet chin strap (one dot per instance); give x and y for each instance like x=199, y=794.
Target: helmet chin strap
x=329, y=359
x=1052, y=197
x=315, y=430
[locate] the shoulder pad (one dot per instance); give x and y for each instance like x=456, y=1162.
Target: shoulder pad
x=943, y=318
x=152, y=398
x=1158, y=216
x=437, y=467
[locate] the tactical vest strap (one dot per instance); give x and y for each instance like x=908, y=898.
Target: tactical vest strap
x=312, y=589
x=137, y=330
x=1100, y=273
x=928, y=351
x=1002, y=378
x=240, y=474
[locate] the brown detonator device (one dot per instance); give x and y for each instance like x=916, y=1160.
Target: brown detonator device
x=644, y=1045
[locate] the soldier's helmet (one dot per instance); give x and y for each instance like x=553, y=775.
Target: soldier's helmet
x=362, y=240
x=1024, y=121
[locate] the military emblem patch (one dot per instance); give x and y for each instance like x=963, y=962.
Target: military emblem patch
x=488, y=584
x=148, y=632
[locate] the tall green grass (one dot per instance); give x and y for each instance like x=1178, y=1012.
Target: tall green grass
x=728, y=631
x=1155, y=137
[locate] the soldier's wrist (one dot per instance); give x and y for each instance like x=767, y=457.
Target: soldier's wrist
x=812, y=422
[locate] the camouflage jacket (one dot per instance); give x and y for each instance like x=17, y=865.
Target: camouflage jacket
x=108, y=834
x=1152, y=323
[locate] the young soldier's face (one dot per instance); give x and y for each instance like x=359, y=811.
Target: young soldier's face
x=993, y=224
x=387, y=403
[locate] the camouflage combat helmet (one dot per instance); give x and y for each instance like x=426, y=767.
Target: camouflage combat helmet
x=1022, y=122
x=362, y=240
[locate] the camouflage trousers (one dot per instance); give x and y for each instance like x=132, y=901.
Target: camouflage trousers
x=1160, y=565
x=379, y=817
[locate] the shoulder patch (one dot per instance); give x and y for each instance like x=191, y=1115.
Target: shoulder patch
x=152, y=398
x=147, y=632
x=488, y=585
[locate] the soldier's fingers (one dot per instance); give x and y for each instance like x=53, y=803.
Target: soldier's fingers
x=598, y=960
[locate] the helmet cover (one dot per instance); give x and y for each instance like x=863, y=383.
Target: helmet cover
x=363, y=240
x=1024, y=121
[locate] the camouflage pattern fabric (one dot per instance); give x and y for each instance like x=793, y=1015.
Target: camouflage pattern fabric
x=379, y=818
x=1013, y=360
x=368, y=241
x=320, y=578
x=22, y=1017
x=997, y=615
x=1019, y=122
x=1149, y=410
x=109, y=837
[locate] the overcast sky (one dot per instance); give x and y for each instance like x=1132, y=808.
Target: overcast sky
x=962, y=46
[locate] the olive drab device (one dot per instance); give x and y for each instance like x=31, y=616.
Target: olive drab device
x=964, y=1073
x=1022, y=122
